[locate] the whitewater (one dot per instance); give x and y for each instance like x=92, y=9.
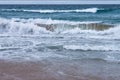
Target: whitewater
x=89, y=10
x=28, y=41
x=30, y=33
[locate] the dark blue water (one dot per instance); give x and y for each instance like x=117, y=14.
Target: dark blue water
x=104, y=13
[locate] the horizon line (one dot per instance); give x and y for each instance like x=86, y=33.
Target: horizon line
x=59, y=2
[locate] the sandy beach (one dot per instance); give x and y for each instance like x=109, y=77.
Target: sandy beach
x=45, y=70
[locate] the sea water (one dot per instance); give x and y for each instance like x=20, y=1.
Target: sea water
x=74, y=35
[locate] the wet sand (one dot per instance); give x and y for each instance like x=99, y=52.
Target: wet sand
x=57, y=70
x=23, y=71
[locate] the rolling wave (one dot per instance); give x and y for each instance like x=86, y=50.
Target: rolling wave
x=35, y=26
x=47, y=26
x=88, y=10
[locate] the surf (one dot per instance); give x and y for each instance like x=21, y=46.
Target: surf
x=87, y=10
x=50, y=25
x=39, y=27
x=84, y=10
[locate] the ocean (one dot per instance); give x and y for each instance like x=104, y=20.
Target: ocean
x=76, y=42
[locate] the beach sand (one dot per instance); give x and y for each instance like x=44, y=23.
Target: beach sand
x=45, y=70
x=32, y=71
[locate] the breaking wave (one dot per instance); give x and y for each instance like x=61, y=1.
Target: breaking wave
x=90, y=10
x=93, y=29
x=10, y=26
x=70, y=31
x=87, y=10
x=32, y=26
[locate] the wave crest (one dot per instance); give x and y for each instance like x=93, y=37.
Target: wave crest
x=90, y=10
x=85, y=10
x=37, y=26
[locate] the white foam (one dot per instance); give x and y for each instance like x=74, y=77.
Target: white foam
x=24, y=26
x=50, y=21
x=9, y=26
x=90, y=10
x=76, y=31
x=87, y=47
x=28, y=26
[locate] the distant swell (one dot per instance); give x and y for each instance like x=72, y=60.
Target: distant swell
x=90, y=10
x=86, y=10
x=103, y=10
